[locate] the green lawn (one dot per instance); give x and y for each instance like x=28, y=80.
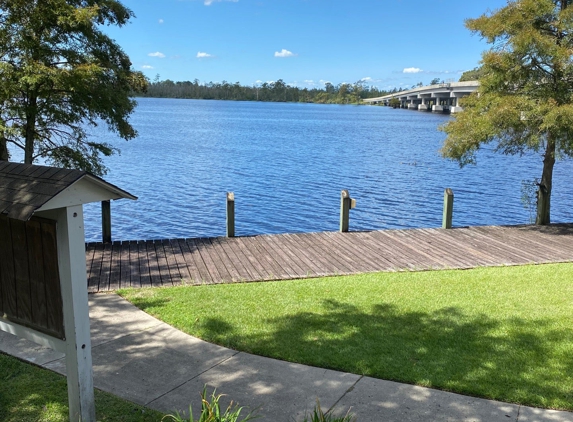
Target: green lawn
x=30, y=393
x=501, y=333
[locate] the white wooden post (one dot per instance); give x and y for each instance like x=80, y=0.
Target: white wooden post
x=72, y=264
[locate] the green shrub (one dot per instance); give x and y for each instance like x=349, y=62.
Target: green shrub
x=211, y=411
x=319, y=416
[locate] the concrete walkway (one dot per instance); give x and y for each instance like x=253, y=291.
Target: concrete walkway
x=144, y=360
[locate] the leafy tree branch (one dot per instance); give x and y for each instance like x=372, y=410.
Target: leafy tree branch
x=60, y=73
x=525, y=99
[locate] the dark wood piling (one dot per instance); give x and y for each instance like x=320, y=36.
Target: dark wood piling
x=106, y=221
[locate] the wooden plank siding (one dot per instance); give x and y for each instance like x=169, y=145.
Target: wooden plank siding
x=302, y=255
x=30, y=292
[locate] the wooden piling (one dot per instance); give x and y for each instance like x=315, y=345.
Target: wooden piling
x=230, y=214
x=345, y=202
x=448, y=209
x=106, y=221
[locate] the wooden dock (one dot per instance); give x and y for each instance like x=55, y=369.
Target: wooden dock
x=175, y=262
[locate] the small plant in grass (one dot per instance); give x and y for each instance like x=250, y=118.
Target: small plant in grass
x=211, y=411
x=319, y=416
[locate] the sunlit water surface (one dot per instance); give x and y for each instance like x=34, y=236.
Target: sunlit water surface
x=287, y=164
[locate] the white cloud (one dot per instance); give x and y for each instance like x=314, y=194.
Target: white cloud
x=210, y=2
x=445, y=72
x=146, y=66
x=161, y=21
x=412, y=70
x=157, y=54
x=284, y=53
x=370, y=80
x=203, y=55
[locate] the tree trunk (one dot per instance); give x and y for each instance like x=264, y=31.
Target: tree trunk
x=545, y=185
x=30, y=130
x=4, y=156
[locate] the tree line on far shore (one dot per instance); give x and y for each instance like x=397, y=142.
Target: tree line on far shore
x=277, y=91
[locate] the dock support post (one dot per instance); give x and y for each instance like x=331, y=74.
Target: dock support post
x=448, y=209
x=230, y=214
x=346, y=204
x=106, y=221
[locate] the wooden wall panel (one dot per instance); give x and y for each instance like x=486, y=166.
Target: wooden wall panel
x=8, y=303
x=36, y=272
x=30, y=292
x=52, y=279
x=21, y=270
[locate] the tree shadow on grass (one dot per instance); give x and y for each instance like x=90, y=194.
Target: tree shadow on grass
x=516, y=360
x=29, y=393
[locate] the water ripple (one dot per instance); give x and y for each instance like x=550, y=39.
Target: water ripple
x=287, y=164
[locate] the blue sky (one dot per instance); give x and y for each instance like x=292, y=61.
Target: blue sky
x=389, y=43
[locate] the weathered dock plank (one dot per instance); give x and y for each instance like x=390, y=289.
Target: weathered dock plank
x=125, y=267
x=321, y=250
x=334, y=246
x=243, y=266
x=93, y=278
x=184, y=272
x=195, y=264
x=144, y=264
x=134, y=274
x=447, y=244
x=222, y=257
x=153, y=264
x=280, y=258
x=272, y=269
x=96, y=275
x=163, y=267
x=217, y=272
x=115, y=266
x=301, y=255
x=305, y=255
x=257, y=270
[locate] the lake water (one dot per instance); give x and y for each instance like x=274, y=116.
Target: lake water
x=287, y=164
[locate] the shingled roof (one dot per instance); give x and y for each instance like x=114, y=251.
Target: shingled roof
x=25, y=188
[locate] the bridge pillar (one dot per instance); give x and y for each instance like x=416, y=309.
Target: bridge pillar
x=455, y=108
x=412, y=102
x=439, y=106
x=425, y=106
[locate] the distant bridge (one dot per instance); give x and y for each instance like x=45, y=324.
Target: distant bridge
x=440, y=98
